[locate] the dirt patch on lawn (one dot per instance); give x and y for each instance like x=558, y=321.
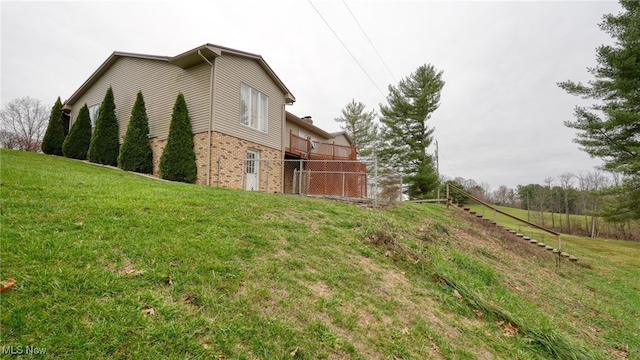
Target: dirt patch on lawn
x=127, y=268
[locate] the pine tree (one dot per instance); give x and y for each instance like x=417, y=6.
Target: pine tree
x=105, y=143
x=76, y=144
x=178, y=160
x=610, y=129
x=405, y=133
x=360, y=127
x=54, y=136
x=136, y=154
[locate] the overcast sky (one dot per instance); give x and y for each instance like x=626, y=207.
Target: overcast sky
x=501, y=115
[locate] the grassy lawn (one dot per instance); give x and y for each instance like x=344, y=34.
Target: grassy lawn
x=114, y=265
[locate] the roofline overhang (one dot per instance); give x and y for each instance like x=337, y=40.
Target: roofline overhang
x=183, y=60
x=289, y=98
x=336, y=134
x=192, y=57
x=102, y=69
x=298, y=121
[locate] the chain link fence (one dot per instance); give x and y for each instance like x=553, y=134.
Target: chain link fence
x=357, y=181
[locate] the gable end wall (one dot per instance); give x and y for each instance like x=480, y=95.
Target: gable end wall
x=231, y=71
x=160, y=83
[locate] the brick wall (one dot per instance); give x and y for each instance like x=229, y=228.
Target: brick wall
x=157, y=146
x=231, y=152
x=227, y=155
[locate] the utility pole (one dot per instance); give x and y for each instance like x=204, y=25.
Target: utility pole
x=438, y=171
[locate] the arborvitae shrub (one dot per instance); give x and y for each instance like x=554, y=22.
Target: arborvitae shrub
x=178, y=160
x=76, y=144
x=54, y=136
x=105, y=144
x=136, y=154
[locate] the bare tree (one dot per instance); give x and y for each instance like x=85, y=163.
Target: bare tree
x=584, y=186
x=566, y=180
x=486, y=191
x=512, y=197
x=597, y=181
x=548, y=181
x=541, y=197
x=23, y=122
x=501, y=195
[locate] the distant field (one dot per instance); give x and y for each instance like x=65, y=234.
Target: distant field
x=109, y=264
x=580, y=224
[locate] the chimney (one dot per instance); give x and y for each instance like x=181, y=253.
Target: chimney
x=307, y=119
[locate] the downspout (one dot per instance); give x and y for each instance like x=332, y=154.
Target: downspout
x=210, y=117
x=284, y=145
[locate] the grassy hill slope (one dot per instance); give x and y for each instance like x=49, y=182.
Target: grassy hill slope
x=114, y=265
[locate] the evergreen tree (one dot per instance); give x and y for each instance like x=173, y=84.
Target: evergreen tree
x=136, y=154
x=105, y=143
x=54, y=136
x=405, y=134
x=178, y=160
x=359, y=125
x=76, y=144
x=65, y=123
x=610, y=129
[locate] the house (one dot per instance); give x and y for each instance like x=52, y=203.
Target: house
x=321, y=163
x=236, y=103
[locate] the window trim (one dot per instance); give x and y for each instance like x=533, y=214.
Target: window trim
x=263, y=102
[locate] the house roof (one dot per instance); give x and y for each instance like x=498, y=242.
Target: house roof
x=306, y=125
x=336, y=134
x=184, y=60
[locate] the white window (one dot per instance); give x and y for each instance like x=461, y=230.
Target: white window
x=254, y=108
x=93, y=114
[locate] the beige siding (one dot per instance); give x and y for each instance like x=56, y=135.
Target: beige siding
x=160, y=83
x=341, y=140
x=231, y=71
x=296, y=131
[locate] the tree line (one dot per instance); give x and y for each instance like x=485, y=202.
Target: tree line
x=570, y=203
x=609, y=130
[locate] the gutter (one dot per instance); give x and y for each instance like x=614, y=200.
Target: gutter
x=211, y=85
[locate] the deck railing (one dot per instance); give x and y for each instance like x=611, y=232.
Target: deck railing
x=318, y=150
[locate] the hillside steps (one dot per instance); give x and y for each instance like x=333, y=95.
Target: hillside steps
x=517, y=234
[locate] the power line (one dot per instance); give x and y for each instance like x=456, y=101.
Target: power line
x=369, y=40
x=346, y=48
x=445, y=160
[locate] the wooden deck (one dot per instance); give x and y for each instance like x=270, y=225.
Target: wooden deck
x=318, y=150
